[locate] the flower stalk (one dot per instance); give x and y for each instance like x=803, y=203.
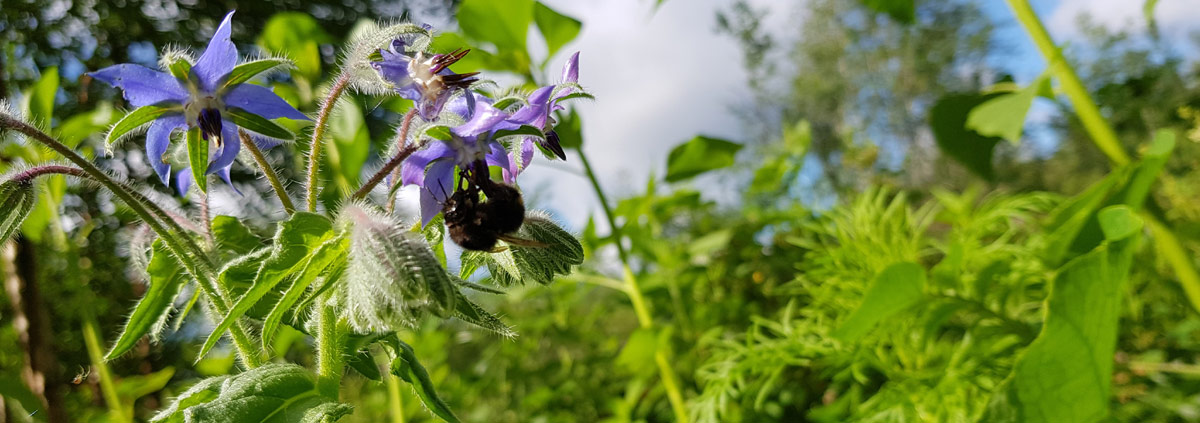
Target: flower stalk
x=314, y=150
x=268, y=171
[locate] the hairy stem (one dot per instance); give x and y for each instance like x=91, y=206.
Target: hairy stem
x=267, y=170
x=206, y=219
x=314, y=151
x=330, y=338
x=667, y=373
x=184, y=249
x=401, y=141
x=378, y=176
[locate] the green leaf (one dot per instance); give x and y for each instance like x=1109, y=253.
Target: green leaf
x=258, y=124
x=1149, y=167
x=1066, y=373
x=1148, y=13
x=637, y=356
x=133, y=120
x=245, y=71
x=273, y=393
x=297, y=36
x=392, y=278
x=203, y=391
x=16, y=390
x=41, y=98
x=948, y=118
x=348, y=146
x=1004, y=115
x=129, y=389
x=556, y=28
x=406, y=367
x=181, y=69
x=295, y=240
x=50, y=190
x=525, y=130
x=474, y=314
x=233, y=235
x=701, y=154
x=520, y=264
x=167, y=279
x=325, y=256
x=16, y=201
x=83, y=125
x=197, y=151
x=894, y=289
x=504, y=23
x=903, y=11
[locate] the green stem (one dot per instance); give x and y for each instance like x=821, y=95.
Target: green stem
x=633, y=290
x=395, y=400
x=314, y=151
x=267, y=170
x=96, y=353
x=182, y=247
x=1105, y=138
x=330, y=338
x=1089, y=114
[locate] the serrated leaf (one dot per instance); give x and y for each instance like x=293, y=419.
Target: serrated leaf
x=557, y=29
x=392, y=278
x=273, y=393
x=324, y=256
x=1004, y=115
x=1066, y=373
x=245, y=71
x=295, y=240
x=894, y=289
x=203, y=391
x=521, y=264
x=407, y=368
x=700, y=154
x=134, y=120
x=16, y=201
x=197, y=152
x=258, y=124
x=167, y=279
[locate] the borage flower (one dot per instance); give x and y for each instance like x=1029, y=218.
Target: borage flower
x=537, y=112
x=427, y=81
x=210, y=99
x=432, y=168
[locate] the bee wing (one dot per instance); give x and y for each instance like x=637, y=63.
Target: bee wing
x=521, y=242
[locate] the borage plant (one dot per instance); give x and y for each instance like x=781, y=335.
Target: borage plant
x=352, y=276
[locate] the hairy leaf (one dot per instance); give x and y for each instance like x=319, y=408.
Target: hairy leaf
x=167, y=279
x=16, y=200
x=273, y=393
x=257, y=124
x=326, y=255
x=197, y=153
x=406, y=367
x=520, y=264
x=245, y=71
x=132, y=121
x=203, y=391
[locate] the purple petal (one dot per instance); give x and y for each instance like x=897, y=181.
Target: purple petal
x=394, y=68
x=571, y=69
x=536, y=112
x=483, y=120
x=498, y=156
x=230, y=145
x=143, y=86
x=218, y=58
x=412, y=171
x=158, y=138
x=435, y=192
x=183, y=181
x=224, y=174
x=261, y=101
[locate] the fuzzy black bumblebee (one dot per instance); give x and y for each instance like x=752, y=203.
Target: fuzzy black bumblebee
x=478, y=224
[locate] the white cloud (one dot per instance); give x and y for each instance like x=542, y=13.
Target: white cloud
x=1176, y=18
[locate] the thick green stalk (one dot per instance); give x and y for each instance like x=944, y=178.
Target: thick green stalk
x=314, y=151
x=633, y=290
x=268, y=171
x=395, y=400
x=183, y=248
x=1089, y=114
x=330, y=362
x=95, y=352
x=1105, y=138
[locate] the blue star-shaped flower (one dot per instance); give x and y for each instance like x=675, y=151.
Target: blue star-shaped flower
x=205, y=100
x=426, y=80
x=537, y=113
